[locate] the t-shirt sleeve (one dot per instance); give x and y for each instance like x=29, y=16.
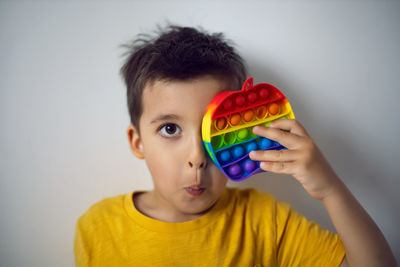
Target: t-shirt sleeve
x=81, y=244
x=304, y=243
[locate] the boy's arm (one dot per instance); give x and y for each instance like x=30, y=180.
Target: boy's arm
x=364, y=243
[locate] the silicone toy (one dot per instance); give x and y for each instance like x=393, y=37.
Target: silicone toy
x=227, y=128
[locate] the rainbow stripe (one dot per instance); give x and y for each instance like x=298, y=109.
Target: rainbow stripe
x=228, y=122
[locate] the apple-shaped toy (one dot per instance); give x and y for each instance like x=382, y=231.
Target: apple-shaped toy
x=227, y=128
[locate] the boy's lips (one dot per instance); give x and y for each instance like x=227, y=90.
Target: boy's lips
x=195, y=190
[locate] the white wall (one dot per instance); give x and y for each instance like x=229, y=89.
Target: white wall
x=63, y=113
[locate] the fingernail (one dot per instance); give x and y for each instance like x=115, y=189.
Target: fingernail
x=263, y=165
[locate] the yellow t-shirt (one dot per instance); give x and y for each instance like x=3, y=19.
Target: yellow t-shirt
x=244, y=228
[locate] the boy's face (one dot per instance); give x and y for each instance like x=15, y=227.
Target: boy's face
x=171, y=143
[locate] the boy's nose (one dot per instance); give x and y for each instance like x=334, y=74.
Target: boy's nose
x=197, y=155
x=201, y=165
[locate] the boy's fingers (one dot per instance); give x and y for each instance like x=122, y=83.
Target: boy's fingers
x=293, y=126
x=286, y=139
x=274, y=155
x=278, y=167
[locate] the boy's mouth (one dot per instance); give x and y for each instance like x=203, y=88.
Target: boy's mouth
x=195, y=190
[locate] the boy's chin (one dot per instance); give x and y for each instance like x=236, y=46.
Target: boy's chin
x=199, y=207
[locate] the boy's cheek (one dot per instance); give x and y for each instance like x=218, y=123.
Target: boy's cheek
x=216, y=172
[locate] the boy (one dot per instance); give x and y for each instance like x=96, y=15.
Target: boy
x=190, y=218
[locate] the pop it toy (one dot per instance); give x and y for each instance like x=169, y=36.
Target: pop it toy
x=228, y=123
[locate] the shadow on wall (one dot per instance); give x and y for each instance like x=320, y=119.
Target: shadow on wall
x=360, y=175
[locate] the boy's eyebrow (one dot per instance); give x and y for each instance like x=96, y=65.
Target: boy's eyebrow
x=166, y=117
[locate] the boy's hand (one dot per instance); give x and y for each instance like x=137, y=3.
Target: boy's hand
x=364, y=243
x=302, y=159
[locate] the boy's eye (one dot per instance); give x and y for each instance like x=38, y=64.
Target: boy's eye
x=170, y=129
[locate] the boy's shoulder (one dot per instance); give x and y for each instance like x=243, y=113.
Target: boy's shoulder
x=103, y=209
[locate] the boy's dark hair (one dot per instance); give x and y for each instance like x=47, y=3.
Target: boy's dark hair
x=177, y=53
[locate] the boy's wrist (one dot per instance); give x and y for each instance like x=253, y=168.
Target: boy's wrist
x=336, y=189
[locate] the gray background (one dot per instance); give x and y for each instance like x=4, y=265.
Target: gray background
x=63, y=114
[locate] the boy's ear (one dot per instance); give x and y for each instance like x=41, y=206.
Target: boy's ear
x=135, y=142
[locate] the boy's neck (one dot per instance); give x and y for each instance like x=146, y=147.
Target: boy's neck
x=150, y=205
